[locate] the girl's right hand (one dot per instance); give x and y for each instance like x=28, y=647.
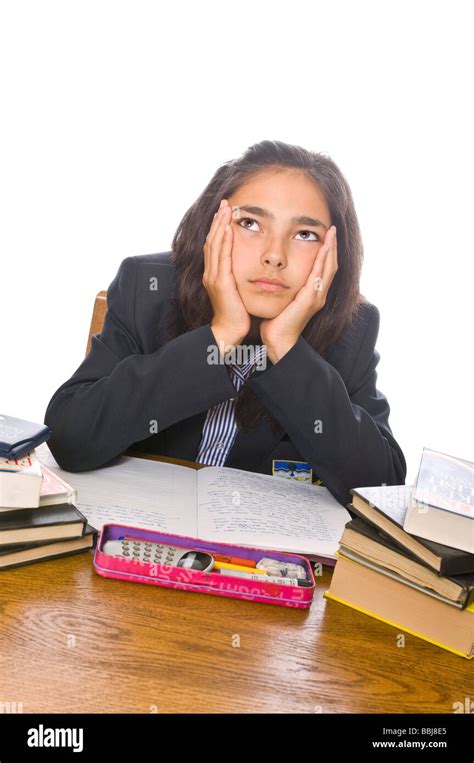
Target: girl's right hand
x=231, y=322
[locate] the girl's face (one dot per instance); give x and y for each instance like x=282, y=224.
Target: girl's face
x=270, y=242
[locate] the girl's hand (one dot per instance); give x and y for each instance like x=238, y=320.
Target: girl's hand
x=231, y=322
x=280, y=333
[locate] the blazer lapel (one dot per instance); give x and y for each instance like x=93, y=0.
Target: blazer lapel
x=251, y=448
x=182, y=439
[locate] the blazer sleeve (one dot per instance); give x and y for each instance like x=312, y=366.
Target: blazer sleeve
x=343, y=432
x=118, y=394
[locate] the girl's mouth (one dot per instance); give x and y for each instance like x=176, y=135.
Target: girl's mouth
x=268, y=285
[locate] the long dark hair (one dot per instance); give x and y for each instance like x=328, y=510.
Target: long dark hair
x=192, y=307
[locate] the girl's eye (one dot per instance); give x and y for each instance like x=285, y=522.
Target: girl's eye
x=246, y=220
x=310, y=239
x=251, y=220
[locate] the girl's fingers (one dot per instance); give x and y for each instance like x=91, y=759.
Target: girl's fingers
x=330, y=265
x=325, y=264
x=224, y=250
x=208, y=243
x=215, y=223
x=216, y=239
x=225, y=258
x=319, y=263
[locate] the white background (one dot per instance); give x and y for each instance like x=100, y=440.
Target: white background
x=114, y=116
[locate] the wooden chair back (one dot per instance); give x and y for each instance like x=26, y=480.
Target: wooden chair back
x=98, y=317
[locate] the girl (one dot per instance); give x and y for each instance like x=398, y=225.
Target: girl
x=248, y=345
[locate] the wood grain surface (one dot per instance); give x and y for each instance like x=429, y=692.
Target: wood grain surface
x=72, y=641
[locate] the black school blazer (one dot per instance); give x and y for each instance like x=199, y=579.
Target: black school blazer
x=134, y=377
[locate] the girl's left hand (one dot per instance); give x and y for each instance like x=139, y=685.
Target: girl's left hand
x=279, y=334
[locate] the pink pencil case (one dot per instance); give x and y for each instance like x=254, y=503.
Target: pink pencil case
x=236, y=587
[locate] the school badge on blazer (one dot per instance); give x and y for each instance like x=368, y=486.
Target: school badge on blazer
x=297, y=470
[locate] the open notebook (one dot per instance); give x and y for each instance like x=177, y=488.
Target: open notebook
x=215, y=503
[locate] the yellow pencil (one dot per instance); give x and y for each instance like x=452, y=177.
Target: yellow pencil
x=226, y=566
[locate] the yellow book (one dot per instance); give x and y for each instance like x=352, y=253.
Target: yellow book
x=403, y=607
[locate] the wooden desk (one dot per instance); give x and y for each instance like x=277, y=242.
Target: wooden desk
x=72, y=641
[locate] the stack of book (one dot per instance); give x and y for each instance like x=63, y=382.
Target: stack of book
x=38, y=518
x=417, y=584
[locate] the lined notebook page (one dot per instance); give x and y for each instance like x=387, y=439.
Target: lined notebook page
x=266, y=511
x=154, y=495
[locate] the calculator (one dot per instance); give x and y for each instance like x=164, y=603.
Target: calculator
x=159, y=553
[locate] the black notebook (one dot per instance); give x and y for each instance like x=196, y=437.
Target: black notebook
x=42, y=524
x=18, y=436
